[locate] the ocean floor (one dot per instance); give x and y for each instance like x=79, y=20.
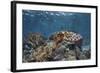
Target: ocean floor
x=60, y=46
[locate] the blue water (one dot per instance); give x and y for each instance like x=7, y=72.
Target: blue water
x=48, y=22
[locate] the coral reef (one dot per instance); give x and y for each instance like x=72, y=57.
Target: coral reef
x=60, y=46
x=30, y=44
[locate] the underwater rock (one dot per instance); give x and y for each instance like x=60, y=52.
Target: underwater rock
x=42, y=53
x=70, y=55
x=27, y=52
x=30, y=44
x=36, y=39
x=82, y=57
x=60, y=46
x=78, y=52
x=58, y=53
x=87, y=53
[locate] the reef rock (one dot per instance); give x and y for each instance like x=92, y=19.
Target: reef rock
x=60, y=46
x=30, y=44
